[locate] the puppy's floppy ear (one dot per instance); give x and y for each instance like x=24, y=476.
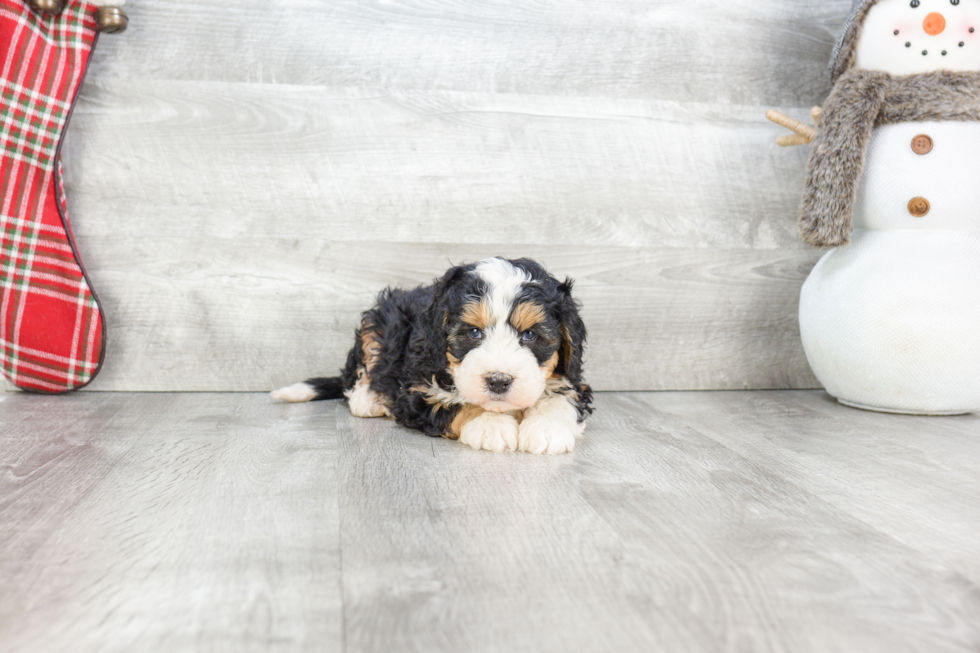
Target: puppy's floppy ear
x=445, y=296
x=427, y=347
x=573, y=334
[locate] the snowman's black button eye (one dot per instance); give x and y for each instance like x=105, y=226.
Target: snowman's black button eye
x=925, y=52
x=896, y=32
x=908, y=45
x=954, y=2
x=962, y=44
x=915, y=3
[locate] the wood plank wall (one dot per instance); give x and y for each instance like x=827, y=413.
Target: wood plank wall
x=244, y=177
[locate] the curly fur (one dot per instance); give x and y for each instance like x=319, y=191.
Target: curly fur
x=860, y=101
x=411, y=341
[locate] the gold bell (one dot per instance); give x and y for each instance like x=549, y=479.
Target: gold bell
x=111, y=20
x=48, y=6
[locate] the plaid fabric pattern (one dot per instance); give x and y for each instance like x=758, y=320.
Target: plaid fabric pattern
x=51, y=329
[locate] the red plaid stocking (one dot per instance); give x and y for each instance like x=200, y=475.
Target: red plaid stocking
x=51, y=332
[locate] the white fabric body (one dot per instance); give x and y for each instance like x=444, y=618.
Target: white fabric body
x=947, y=177
x=892, y=321
x=881, y=49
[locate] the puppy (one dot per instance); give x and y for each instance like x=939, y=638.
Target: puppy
x=490, y=355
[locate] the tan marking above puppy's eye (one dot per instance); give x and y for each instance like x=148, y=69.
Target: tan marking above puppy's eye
x=476, y=314
x=526, y=315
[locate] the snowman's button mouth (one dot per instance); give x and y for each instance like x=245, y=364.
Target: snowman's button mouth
x=919, y=207
x=922, y=144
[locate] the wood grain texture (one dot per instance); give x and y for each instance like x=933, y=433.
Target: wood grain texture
x=724, y=51
x=684, y=522
x=198, y=314
x=252, y=272
x=919, y=470
x=166, y=523
x=243, y=182
x=151, y=158
x=657, y=535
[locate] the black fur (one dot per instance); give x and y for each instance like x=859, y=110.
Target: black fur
x=414, y=330
x=563, y=310
x=327, y=388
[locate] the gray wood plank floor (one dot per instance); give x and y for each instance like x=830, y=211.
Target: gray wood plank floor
x=739, y=521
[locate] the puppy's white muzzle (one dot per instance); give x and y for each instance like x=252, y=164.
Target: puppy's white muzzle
x=500, y=375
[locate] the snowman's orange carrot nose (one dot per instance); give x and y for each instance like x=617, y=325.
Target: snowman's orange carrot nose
x=934, y=23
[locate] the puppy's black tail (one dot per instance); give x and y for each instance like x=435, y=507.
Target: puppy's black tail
x=311, y=390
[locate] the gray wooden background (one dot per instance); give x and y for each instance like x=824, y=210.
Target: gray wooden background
x=244, y=177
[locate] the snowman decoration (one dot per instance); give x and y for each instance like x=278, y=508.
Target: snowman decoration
x=890, y=318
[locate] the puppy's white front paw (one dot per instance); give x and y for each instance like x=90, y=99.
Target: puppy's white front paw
x=365, y=402
x=540, y=435
x=490, y=431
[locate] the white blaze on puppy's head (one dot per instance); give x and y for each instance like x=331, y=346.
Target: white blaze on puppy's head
x=500, y=370
x=906, y=37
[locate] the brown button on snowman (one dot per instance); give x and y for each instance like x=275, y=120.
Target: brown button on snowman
x=922, y=144
x=890, y=318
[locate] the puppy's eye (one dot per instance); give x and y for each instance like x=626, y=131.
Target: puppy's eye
x=528, y=336
x=476, y=334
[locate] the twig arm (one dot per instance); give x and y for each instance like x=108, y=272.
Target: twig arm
x=792, y=139
x=796, y=126
x=804, y=134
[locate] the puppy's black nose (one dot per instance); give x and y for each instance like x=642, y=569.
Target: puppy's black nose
x=498, y=383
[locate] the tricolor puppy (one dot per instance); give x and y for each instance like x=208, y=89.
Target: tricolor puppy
x=490, y=355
